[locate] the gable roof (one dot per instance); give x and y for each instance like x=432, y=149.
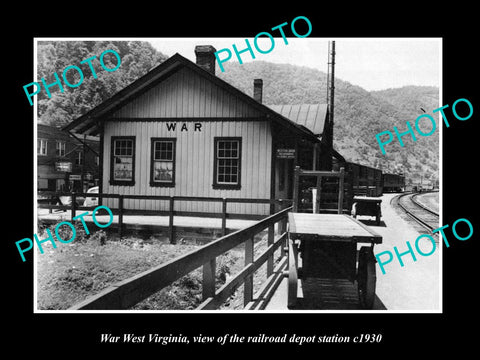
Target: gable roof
x=312, y=116
x=91, y=121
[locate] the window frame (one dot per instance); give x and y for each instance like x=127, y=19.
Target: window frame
x=231, y=186
x=40, y=142
x=60, y=148
x=112, y=157
x=158, y=183
x=79, y=158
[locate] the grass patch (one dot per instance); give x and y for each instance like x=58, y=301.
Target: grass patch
x=72, y=272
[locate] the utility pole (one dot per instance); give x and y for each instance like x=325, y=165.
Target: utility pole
x=82, y=178
x=330, y=102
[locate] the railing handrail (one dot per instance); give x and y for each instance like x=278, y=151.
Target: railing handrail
x=167, y=197
x=135, y=289
x=121, y=210
x=319, y=174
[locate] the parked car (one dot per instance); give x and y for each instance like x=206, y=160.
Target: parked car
x=46, y=199
x=91, y=201
x=67, y=200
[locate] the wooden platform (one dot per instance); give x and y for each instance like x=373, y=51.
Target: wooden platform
x=332, y=227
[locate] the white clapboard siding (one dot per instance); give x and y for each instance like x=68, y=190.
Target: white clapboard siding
x=185, y=94
x=194, y=164
x=186, y=97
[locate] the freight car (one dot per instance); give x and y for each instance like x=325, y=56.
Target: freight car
x=362, y=180
x=393, y=183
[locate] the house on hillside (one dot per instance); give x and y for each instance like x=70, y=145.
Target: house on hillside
x=180, y=130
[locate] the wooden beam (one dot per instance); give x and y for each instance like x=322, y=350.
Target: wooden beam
x=248, y=285
x=208, y=283
x=228, y=288
x=295, y=188
x=270, y=240
x=340, y=190
x=133, y=290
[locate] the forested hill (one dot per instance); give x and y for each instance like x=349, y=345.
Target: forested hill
x=359, y=114
x=137, y=58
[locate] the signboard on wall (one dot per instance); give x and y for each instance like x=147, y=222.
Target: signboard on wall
x=75, y=177
x=285, y=153
x=63, y=166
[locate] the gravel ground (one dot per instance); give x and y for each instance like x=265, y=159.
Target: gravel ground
x=73, y=272
x=430, y=200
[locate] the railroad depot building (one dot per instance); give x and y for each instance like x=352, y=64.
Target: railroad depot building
x=181, y=131
x=65, y=163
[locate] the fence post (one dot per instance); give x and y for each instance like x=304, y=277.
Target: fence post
x=120, y=215
x=208, y=284
x=248, y=286
x=224, y=216
x=271, y=238
x=74, y=205
x=341, y=180
x=171, y=230
x=318, y=195
x=296, y=186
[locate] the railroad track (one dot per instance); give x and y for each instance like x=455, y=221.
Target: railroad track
x=426, y=217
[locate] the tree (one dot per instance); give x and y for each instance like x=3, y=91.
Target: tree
x=137, y=58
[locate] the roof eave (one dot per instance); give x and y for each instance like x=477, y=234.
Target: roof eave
x=166, y=67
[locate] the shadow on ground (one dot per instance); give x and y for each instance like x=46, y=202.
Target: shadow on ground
x=331, y=294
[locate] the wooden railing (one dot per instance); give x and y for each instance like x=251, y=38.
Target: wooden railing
x=120, y=209
x=129, y=292
x=298, y=172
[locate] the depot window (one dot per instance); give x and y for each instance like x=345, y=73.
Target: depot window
x=227, y=163
x=122, y=161
x=162, y=165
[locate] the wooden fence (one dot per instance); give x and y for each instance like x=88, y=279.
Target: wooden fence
x=129, y=292
x=120, y=210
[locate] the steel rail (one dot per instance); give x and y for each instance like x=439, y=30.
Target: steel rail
x=416, y=202
x=412, y=215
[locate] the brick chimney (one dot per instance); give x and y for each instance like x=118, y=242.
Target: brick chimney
x=258, y=90
x=205, y=57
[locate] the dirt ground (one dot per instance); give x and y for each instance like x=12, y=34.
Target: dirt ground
x=73, y=272
x=430, y=200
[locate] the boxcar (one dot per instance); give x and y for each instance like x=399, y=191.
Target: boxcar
x=393, y=183
x=365, y=180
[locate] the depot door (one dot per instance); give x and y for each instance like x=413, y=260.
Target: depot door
x=284, y=178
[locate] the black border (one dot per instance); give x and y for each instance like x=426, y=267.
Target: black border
x=419, y=334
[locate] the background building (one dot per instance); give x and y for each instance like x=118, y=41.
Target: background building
x=65, y=163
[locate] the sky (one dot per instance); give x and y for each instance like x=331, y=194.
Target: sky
x=372, y=63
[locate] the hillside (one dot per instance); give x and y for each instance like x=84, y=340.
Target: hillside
x=137, y=58
x=359, y=114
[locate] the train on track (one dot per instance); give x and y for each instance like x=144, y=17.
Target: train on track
x=368, y=181
x=360, y=180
